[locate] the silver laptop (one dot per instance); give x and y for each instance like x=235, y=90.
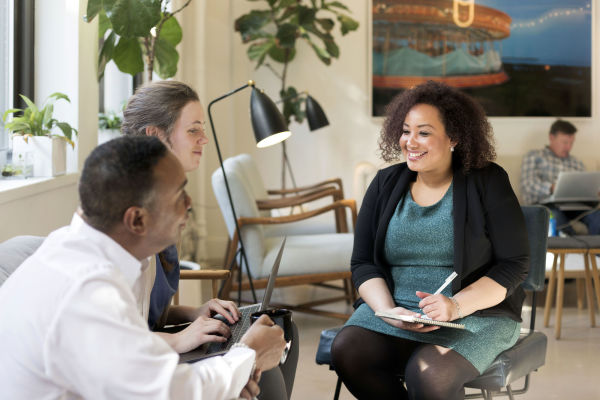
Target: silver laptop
x=239, y=328
x=575, y=188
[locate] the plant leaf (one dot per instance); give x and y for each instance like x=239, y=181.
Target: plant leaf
x=165, y=59
x=331, y=47
x=286, y=35
x=106, y=53
x=258, y=51
x=171, y=31
x=286, y=3
x=321, y=53
x=347, y=24
x=306, y=16
x=66, y=129
x=103, y=24
x=10, y=111
x=128, y=56
x=326, y=23
x=30, y=104
x=57, y=96
x=93, y=8
x=279, y=54
x=250, y=24
x=47, y=115
x=134, y=18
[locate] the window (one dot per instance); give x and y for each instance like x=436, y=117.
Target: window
x=6, y=68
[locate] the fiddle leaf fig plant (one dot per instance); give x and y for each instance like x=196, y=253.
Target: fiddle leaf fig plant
x=137, y=33
x=39, y=122
x=274, y=32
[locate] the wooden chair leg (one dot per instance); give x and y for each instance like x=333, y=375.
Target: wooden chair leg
x=589, y=291
x=580, y=290
x=595, y=276
x=560, y=296
x=550, y=292
x=176, y=298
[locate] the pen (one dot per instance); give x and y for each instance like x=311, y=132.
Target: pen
x=446, y=282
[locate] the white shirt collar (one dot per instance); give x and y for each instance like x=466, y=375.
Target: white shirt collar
x=129, y=265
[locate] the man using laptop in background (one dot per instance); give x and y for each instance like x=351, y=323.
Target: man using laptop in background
x=539, y=172
x=71, y=327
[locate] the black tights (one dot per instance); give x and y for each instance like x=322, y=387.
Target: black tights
x=370, y=364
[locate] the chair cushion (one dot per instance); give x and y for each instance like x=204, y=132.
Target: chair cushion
x=528, y=354
x=14, y=251
x=308, y=254
x=324, y=349
x=570, y=242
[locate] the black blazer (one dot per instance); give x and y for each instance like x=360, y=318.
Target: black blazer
x=490, y=238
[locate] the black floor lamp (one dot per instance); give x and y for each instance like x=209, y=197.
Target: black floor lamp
x=269, y=128
x=316, y=120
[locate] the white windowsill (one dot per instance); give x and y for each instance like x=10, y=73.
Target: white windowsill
x=14, y=189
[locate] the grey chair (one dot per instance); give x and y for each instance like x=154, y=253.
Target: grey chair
x=14, y=251
x=527, y=355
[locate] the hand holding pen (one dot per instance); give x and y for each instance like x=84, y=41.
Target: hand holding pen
x=433, y=306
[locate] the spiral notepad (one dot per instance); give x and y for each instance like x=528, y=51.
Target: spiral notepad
x=417, y=320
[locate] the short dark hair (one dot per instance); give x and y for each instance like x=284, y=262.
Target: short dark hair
x=156, y=104
x=562, y=126
x=463, y=118
x=117, y=175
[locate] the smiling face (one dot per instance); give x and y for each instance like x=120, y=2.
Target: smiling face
x=424, y=141
x=188, y=137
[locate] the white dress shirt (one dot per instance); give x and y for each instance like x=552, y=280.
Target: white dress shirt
x=70, y=328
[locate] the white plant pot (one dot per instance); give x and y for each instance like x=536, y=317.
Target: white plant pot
x=49, y=154
x=104, y=135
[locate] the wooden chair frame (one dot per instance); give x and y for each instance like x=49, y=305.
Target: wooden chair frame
x=314, y=278
x=215, y=275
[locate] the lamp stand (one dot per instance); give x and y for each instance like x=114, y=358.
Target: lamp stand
x=243, y=259
x=285, y=163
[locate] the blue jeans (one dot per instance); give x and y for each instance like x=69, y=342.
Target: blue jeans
x=592, y=221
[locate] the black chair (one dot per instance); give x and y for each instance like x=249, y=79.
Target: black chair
x=527, y=355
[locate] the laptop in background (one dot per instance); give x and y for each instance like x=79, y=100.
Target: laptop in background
x=575, y=188
x=239, y=328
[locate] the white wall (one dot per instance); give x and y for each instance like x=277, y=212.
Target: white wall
x=343, y=89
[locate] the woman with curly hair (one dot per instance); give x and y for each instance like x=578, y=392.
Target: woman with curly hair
x=447, y=209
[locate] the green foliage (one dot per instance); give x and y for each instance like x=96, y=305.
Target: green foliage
x=137, y=33
x=39, y=122
x=272, y=34
x=110, y=120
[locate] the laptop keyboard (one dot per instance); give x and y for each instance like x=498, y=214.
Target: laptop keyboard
x=237, y=330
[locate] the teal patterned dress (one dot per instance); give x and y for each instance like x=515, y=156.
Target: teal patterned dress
x=419, y=246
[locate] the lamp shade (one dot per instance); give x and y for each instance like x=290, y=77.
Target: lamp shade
x=267, y=122
x=315, y=114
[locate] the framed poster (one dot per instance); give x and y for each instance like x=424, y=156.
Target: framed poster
x=517, y=58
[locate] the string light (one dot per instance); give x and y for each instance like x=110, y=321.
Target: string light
x=552, y=15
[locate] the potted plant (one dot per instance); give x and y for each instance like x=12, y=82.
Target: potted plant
x=109, y=125
x=34, y=135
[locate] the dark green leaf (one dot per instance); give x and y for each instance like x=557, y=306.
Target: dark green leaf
x=306, y=16
x=103, y=24
x=134, y=18
x=286, y=35
x=106, y=53
x=347, y=24
x=321, y=53
x=128, y=56
x=66, y=129
x=338, y=5
x=326, y=23
x=281, y=54
x=171, y=31
x=331, y=47
x=286, y=3
x=272, y=2
x=289, y=12
x=165, y=59
x=249, y=24
x=292, y=104
x=93, y=8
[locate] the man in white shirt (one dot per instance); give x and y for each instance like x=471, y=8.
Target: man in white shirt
x=70, y=324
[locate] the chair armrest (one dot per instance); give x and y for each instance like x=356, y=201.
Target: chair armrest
x=339, y=204
x=204, y=274
x=332, y=181
x=270, y=204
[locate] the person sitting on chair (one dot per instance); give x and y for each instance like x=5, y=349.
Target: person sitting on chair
x=447, y=209
x=71, y=327
x=539, y=172
x=172, y=112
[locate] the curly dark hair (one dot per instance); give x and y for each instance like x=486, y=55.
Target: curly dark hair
x=463, y=118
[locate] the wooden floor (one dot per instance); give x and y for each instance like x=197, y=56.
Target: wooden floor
x=572, y=369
